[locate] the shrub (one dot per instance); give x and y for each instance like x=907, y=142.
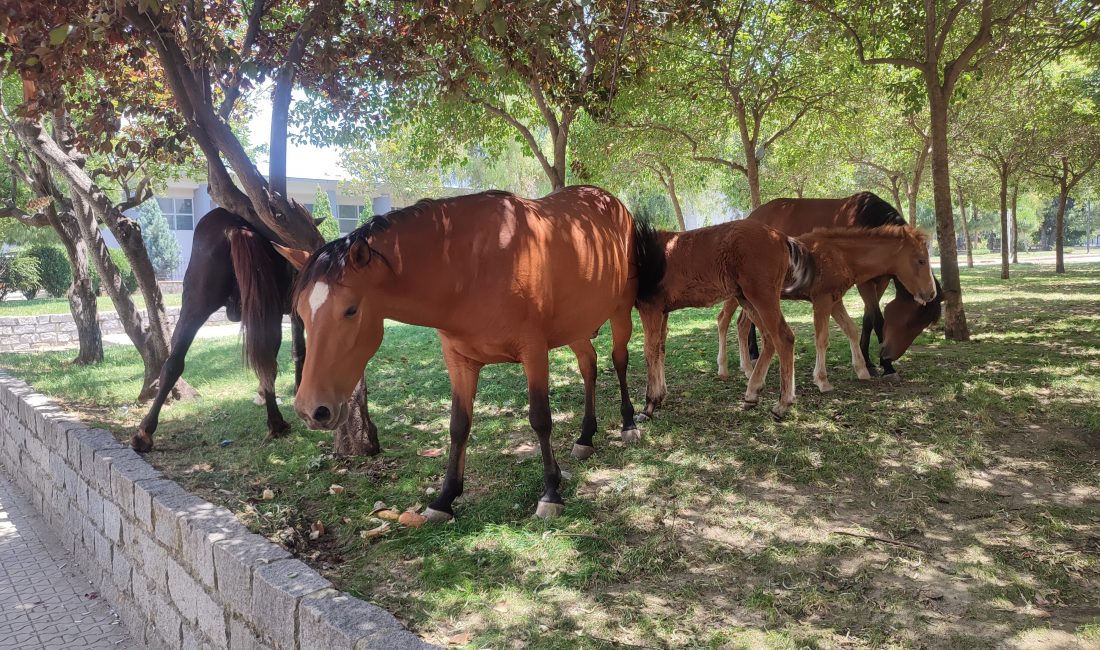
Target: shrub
x=164, y=251
x=24, y=276
x=53, y=269
x=129, y=280
x=322, y=209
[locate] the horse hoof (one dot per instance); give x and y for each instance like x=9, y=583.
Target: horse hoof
x=632, y=436
x=863, y=375
x=437, y=516
x=278, y=431
x=893, y=378
x=581, y=452
x=723, y=375
x=778, y=413
x=141, y=441
x=825, y=387
x=259, y=400
x=548, y=510
x=642, y=417
x=749, y=404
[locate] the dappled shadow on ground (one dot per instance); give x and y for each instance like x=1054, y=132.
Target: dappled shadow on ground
x=959, y=508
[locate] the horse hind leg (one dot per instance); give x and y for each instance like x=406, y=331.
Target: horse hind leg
x=586, y=363
x=725, y=315
x=821, y=344
x=655, y=329
x=621, y=329
x=778, y=336
x=464, y=375
x=744, y=331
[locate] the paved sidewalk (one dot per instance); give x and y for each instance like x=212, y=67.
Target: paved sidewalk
x=45, y=601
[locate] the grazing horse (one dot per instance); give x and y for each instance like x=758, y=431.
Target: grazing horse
x=235, y=267
x=501, y=279
x=841, y=258
x=742, y=261
x=865, y=210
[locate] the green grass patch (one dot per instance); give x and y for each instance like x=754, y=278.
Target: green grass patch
x=40, y=306
x=720, y=530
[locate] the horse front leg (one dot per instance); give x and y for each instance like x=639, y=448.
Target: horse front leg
x=744, y=330
x=869, y=294
x=188, y=325
x=822, y=308
x=297, y=348
x=586, y=363
x=464, y=374
x=840, y=315
x=655, y=331
x=536, y=365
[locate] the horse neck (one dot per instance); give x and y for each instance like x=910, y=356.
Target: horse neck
x=866, y=257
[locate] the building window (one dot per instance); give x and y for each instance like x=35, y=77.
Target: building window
x=349, y=218
x=180, y=213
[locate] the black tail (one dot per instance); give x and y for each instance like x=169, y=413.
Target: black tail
x=261, y=276
x=800, y=272
x=649, y=255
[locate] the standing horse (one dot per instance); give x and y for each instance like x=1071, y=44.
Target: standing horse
x=864, y=210
x=741, y=261
x=502, y=279
x=235, y=267
x=841, y=258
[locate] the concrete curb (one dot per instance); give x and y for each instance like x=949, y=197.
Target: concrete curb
x=180, y=571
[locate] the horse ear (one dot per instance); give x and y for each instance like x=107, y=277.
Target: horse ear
x=318, y=221
x=296, y=256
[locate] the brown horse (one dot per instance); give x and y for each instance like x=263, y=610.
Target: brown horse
x=743, y=261
x=865, y=210
x=502, y=279
x=841, y=258
x=235, y=267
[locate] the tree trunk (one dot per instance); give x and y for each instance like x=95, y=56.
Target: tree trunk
x=90, y=202
x=358, y=436
x=1004, y=223
x=896, y=192
x=955, y=327
x=752, y=174
x=82, y=298
x=1015, y=226
x=1060, y=231
x=668, y=179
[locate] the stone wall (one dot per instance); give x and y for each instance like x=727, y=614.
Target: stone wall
x=25, y=333
x=180, y=571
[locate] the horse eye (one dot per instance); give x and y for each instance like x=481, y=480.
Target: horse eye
x=351, y=311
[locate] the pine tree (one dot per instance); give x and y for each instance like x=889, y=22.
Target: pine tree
x=322, y=209
x=164, y=251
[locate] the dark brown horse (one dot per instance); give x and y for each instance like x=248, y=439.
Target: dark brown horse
x=865, y=210
x=235, y=267
x=741, y=261
x=501, y=279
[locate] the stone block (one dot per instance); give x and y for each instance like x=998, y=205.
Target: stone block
x=331, y=620
x=112, y=521
x=124, y=473
x=276, y=590
x=121, y=572
x=203, y=527
x=153, y=559
x=183, y=591
x=234, y=562
x=103, y=460
x=167, y=512
x=241, y=637
x=145, y=491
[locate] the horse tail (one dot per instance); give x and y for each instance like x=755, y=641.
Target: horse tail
x=255, y=267
x=800, y=271
x=649, y=255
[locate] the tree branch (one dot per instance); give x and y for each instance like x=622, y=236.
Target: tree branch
x=533, y=143
x=860, y=51
x=233, y=88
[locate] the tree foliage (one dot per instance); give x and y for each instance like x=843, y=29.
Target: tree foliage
x=164, y=250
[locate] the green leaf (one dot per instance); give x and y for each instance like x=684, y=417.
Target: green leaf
x=480, y=6
x=500, y=26
x=60, y=33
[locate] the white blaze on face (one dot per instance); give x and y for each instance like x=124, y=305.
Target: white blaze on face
x=317, y=297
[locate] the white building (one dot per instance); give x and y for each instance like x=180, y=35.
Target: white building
x=184, y=202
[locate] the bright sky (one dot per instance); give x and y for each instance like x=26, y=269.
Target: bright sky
x=302, y=161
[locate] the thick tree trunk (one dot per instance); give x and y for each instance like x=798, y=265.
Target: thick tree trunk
x=1015, y=226
x=358, y=436
x=955, y=327
x=1060, y=231
x=752, y=174
x=82, y=298
x=1004, y=223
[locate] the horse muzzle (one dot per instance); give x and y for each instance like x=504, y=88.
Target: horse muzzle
x=323, y=416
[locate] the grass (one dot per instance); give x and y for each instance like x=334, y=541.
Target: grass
x=40, y=306
x=719, y=530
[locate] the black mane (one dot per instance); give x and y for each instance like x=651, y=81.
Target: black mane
x=872, y=211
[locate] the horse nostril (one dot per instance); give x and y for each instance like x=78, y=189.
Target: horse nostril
x=322, y=414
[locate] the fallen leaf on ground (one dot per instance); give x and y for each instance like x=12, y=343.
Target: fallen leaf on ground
x=378, y=505
x=335, y=489
x=268, y=494
x=316, y=529
x=460, y=639
x=430, y=453
x=412, y=519
x=342, y=471
x=375, y=532
x=388, y=515
x=199, y=468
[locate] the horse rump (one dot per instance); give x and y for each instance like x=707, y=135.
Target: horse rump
x=259, y=269
x=800, y=271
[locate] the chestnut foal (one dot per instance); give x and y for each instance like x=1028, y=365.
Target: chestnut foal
x=742, y=260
